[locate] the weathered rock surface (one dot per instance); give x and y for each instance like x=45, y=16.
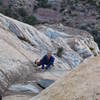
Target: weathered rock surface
x=13, y=64
x=21, y=44
x=17, y=97
x=83, y=83
x=24, y=88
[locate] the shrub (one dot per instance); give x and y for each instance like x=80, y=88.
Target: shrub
x=22, y=12
x=1, y=2
x=8, y=12
x=15, y=16
x=92, y=49
x=92, y=2
x=60, y=51
x=97, y=40
x=42, y=3
x=10, y=6
x=30, y=20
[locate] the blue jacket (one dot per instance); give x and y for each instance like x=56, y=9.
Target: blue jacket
x=46, y=61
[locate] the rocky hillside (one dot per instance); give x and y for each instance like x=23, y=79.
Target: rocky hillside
x=83, y=15
x=80, y=14
x=21, y=44
x=70, y=42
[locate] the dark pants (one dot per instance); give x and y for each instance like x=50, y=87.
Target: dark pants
x=46, y=63
x=39, y=63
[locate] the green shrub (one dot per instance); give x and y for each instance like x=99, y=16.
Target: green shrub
x=10, y=6
x=92, y=2
x=42, y=3
x=1, y=2
x=22, y=12
x=30, y=20
x=97, y=40
x=15, y=16
x=8, y=12
x=92, y=49
x=60, y=51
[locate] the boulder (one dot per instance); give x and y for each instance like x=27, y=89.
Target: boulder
x=80, y=47
x=83, y=83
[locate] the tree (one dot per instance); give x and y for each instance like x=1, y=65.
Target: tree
x=30, y=20
x=42, y=3
x=22, y=12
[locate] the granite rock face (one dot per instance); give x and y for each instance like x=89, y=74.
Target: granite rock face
x=79, y=84
x=21, y=44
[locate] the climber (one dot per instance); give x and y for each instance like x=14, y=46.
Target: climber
x=47, y=60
